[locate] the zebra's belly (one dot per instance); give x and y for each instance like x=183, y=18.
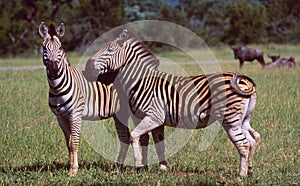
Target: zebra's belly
x=93, y=114
x=91, y=117
x=190, y=122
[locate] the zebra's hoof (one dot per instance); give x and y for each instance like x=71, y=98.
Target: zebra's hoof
x=250, y=172
x=146, y=168
x=72, y=172
x=142, y=168
x=163, y=165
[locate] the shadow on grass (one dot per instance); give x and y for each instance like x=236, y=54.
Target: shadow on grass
x=56, y=166
x=35, y=167
x=15, y=172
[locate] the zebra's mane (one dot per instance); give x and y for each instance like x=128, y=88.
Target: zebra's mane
x=52, y=30
x=141, y=45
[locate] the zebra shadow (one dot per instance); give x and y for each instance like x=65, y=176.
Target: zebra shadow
x=55, y=166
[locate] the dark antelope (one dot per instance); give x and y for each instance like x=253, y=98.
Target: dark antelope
x=243, y=53
x=281, y=62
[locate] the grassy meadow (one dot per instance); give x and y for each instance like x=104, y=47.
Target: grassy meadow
x=33, y=150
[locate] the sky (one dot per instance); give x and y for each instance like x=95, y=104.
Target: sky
x=172, y=2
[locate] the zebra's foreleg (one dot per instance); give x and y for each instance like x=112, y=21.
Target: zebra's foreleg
x=158, y=137
x=75, y=122
x=65, y=126
x=147, y=124
x=144, y=141
x=241, y=143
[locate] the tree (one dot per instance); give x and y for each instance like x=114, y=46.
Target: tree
x=16, y=26
x=85, y=20
x=227, y=21
x=247, y=23
x=142, y=10
x=20, y=22
x=89, y=19
x=284, y=18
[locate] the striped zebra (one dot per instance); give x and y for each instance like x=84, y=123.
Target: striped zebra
x=158, y=98
x=72, y=98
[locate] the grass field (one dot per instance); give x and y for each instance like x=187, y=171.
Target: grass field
x=33, y=150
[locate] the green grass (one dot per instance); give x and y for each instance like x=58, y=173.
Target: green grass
x=33, y=150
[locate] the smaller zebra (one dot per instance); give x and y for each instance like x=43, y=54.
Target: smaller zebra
x=72, y=98
x=159, y=98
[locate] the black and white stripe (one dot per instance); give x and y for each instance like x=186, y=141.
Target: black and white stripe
x=159, y=98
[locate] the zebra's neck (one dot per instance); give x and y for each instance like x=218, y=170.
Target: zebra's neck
x=137, y=53
x=139, y=63
x=57, y=85
x=135, y=73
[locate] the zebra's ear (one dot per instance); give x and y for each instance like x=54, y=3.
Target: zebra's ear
x=122, y=38
x=60, y=30
x=43, y=30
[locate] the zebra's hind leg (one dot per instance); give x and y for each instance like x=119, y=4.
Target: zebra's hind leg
x=256, y=136
x=241, y=143
x=124, y=138
x=252, y=136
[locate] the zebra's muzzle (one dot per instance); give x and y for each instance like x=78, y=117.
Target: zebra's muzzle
x=52, y=70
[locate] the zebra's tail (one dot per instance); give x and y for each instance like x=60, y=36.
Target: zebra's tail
x=242, y=85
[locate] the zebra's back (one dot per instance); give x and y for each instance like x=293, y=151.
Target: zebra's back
x=190, y=102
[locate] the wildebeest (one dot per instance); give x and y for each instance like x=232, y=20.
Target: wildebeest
x=281, y=62
x=243, y=53
x=274, y=57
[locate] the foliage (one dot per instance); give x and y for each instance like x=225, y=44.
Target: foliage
x=217, y=22
x=85, y=20
x=247, y=21
x=283, y=18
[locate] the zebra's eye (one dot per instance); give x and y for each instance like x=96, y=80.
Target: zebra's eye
x=46, y=61
x=101, y=70
x=109, y=50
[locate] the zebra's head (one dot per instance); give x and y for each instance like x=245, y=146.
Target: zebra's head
x=108, y=59
x=53, y=53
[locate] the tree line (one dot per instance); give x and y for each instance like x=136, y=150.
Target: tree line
x=227, y=22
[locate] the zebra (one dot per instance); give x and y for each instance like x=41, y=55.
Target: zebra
x=72, y=98
x=190, y=102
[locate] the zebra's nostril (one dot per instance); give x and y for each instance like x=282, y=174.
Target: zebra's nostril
x=98, y=71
